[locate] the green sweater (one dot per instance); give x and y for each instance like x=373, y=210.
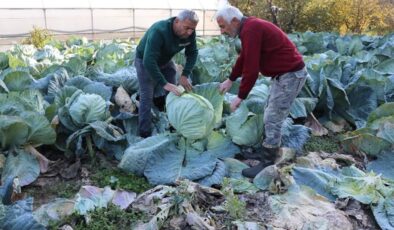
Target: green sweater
x=160, y=44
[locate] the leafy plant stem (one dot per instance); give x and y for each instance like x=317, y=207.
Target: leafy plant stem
x=43, y=161
x=90, y=147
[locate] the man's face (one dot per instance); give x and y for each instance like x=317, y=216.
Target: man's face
x=226, y=28
x=185, y=28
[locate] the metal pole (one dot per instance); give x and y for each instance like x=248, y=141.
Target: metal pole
x=92, y=22
x=203, y=23
x=134, y=33
x=45, y=18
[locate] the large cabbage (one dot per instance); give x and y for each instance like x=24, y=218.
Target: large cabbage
x=88, y=108
x=191, y=115
x=78, y=109
x=245, y=127
x=210, y=92
x=22, y=121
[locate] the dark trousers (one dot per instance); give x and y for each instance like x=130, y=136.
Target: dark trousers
x=149, y=89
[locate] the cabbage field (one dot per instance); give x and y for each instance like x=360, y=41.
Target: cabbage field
x=74, y=103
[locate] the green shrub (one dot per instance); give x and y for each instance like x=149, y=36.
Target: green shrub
x=38, y=37
x=235, y=207
x=110, y=218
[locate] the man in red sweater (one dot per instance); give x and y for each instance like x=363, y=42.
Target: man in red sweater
x=265, y=49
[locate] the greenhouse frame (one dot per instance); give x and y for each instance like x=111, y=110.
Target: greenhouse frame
x=97, y=19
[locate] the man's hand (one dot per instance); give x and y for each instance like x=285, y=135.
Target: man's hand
x=173, y=88
x=225, y=86
x=235, y=103
x=184, y=81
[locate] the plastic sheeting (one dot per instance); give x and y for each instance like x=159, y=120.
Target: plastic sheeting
x=98, y=18
x=136, y=4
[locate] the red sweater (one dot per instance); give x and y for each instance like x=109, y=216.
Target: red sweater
x=265, y=49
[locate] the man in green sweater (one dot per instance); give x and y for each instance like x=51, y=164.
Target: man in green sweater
x=155, y=69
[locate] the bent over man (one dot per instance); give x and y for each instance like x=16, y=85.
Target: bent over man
x=155, y=69
x=268, y=50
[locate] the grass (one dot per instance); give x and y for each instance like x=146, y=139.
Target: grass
x=64, y=189
x=110, y=218
x=100, y=176
x=329, y=144
x=54, y=189
x=118, y=179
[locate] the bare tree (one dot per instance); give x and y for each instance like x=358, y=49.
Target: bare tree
x=274, y=11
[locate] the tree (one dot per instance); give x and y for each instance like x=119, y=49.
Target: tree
x=290, y=14
x=360, y=16
x=252, y=8
x=387, y=25
x=283, y=13
x=344, y=16
x=274, y=11
x=348, y=16
x=319, y=15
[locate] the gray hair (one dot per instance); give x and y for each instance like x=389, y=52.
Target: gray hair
x=188, y=14
x=228, y=13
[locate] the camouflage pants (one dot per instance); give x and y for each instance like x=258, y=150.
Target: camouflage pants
x=284, y=90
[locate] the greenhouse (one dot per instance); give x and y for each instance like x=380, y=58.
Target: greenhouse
x=97, y=19
x=229, y=123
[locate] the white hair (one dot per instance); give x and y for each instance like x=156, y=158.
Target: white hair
x=228, y=13
x=188, y=14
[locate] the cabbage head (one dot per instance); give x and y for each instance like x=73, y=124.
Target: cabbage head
x=191, y=115
x=244, y=127
x=88, y=108
x=22, y=120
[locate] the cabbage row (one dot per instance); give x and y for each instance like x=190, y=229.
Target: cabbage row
x=67, y=95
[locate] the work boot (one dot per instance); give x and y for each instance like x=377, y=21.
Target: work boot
x=268, y=157
x=145, y=134
x=249, y=153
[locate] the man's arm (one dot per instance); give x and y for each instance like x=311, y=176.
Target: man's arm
x=247, y=65
x=235, y=73
x=251, y=51
x=191, y=53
